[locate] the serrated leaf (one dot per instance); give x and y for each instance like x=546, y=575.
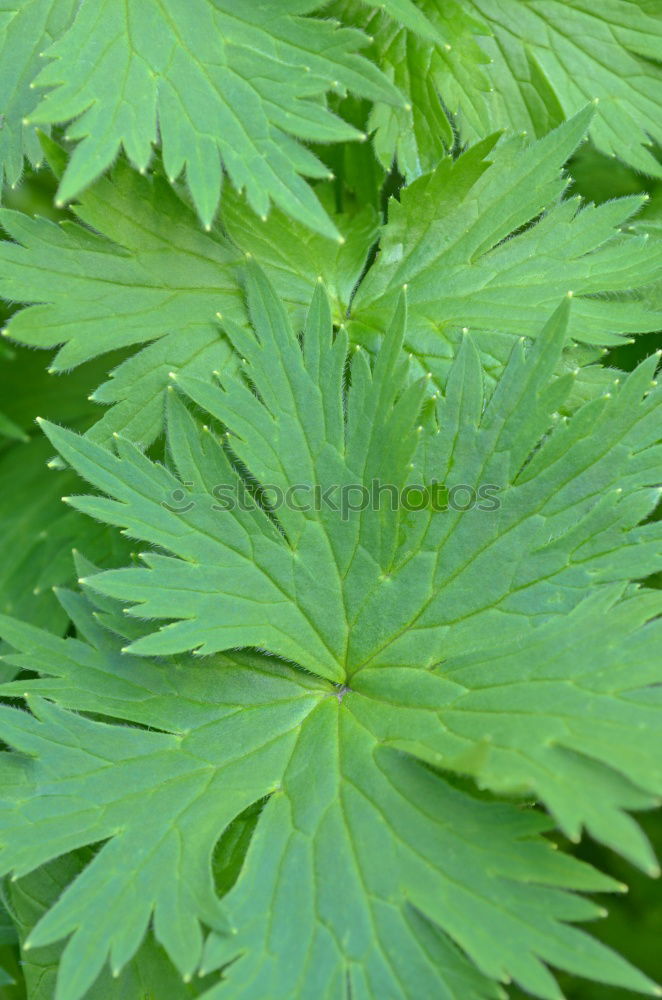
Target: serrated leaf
x=226, y=89
x=149, y=976
x=417, y=136
x=548, y=52
x=26, y=28
x=348, y=590
x=486, y=242
x=520, y=66
x=155, y=281
x=338, y=862
x=444, y=635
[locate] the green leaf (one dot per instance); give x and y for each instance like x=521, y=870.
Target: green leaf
x=26, y=28
x=149, y=976
x=381, y=852
x=519, y=66
x=487, y=243
x=408, y=14
x=345, y=582
x=549, y=54
x=40, y=535
x=294, y=258
x=154, y=281
x=226, y=89
x=430, y=638
x=465, y=239
x=10, y=429
x=417, y=136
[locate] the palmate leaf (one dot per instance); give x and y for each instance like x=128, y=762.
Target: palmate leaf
x=439, y=636
x=352, y=831
x=153, y=280
x=226, y=89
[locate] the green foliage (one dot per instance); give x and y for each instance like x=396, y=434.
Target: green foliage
x=194, y=71
x=519, y=65
x=343, y=681
x=466, y=239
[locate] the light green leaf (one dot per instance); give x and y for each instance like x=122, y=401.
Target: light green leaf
x=486, y=242
x=416, y=137
x=347, y=582
x=294, y=258
x=519, y=65
x=149, y=976
x=26, y=28
x=429, y=639
x=154, y=281
x=226, y=89
x=408, y=14
x=362, y=869
x=562, y=53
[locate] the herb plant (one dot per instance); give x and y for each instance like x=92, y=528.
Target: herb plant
x=343, y=681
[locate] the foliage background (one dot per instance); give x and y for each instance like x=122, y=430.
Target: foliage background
x=36, y=561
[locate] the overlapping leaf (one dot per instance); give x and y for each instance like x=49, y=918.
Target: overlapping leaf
x=26, y=28
x=226, y=89
x=493, y=248
x=153, y=280
x=427, y=70
x=552, y=55
x=148, y=975
x=518, y=65
x=156, y=281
